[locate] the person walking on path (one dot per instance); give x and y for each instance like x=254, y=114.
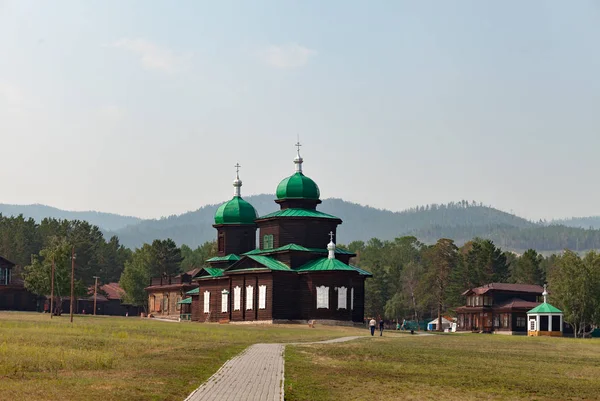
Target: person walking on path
x=380, y=326
x=372, y=325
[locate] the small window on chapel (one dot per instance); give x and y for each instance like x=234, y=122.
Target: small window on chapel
x=221, y=244
x=268, y=241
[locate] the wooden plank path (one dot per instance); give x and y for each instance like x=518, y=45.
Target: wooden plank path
x=256, y=374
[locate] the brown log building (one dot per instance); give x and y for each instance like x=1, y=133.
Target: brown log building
x=498, y=308
x=295, y=274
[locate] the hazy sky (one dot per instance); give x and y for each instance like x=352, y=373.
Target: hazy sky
x=143, y=107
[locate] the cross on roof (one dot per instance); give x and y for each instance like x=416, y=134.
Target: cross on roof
x=237, y=167
x=298, y=144
x=331, y=234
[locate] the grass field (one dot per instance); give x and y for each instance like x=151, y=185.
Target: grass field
x=113, y=358
x=445, y=367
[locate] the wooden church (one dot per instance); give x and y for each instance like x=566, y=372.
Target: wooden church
x=295, y=274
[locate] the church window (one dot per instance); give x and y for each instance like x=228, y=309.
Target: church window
x=165, y=302
x=342, y=297
x=352, y=298
x=221, y=245
x=237, y=298
x=532, y=323
x=249, y=297
x=262, y=297
x=178, y=305
x=322, y=297
x=521, y=321
x=268, y=241
x=224, y=300
x=206, y=301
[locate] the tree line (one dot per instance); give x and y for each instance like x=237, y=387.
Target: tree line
x=36, y=247
x=412, y=280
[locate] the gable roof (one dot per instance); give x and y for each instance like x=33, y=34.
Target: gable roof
x=194, y=271
x=527, y=288
x=361, y=271
x=545, y=308
x=516, y=303
x=188, y=300
x=194, y=291
x=112, y=290
x=296, y=212
x=271, y=263
x=325, y=264
x=6, y=262
x=211, y=272
x=229, y=258
x=295, y=247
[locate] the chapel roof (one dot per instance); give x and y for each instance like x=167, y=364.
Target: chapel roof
x=545, y=308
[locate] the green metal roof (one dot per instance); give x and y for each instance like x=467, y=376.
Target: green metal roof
x=194, y=291
x=361, y=271
x=325, y=264
x=292, y=212
x=295, y=247
x=186, y=301
x=297, y=186
x=212, y=272
x=235, y=211
x=271, y=263
x=229, y=258
x=545, y=308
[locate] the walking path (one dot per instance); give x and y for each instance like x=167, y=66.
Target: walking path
x=254, y=375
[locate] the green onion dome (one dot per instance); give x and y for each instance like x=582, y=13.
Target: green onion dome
x=298, y=186
x=236, y=211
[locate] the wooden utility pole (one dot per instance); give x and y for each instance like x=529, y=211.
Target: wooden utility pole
x=95, y=292
x=52, y=290
x=72, y=281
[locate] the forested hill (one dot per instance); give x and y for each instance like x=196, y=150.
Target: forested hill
x=460, y=221
x=106, y=221
x=582, y=222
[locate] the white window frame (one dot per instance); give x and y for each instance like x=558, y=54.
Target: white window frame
x=352, y=298
x=206, y=301
x=249, y=297
x=342, y=298
x=262, y=297
x=224, y=301
x=237, y=298
x=532, y=325
x=322, y=297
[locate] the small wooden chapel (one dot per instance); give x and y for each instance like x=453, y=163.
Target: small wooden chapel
x=296, y=274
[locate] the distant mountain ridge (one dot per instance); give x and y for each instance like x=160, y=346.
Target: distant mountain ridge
x=460, y=221
x=106, y=221
x=581, y=222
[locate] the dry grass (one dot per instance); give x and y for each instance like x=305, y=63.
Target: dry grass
x=113, y=358
x=448, y=367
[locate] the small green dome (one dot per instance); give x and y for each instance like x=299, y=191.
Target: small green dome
x=235, y=211
x=298, y=186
